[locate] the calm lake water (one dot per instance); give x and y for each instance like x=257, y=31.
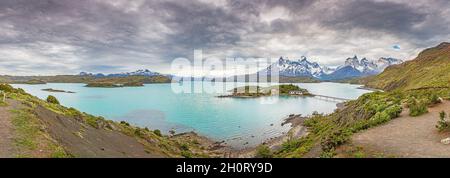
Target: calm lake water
x=236, y=121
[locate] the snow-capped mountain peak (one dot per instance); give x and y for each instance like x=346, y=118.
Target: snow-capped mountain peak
x=383, y=62
x=141, y=72
x=300, y=67
x=363, y=65
x=352, y=67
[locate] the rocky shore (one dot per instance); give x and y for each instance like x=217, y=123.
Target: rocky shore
x=296, y=131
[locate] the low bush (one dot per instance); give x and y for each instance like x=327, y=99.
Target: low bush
x=443, y=125
x=417, y=108
x=92, y=121
x=7, y=88
x=184, y=147
x=263, y=151
x=434, y=99
x=124, y=123
x=186, y=154
x=52, y=99
x=157, y=132
x=138, y=132
x=335, y=139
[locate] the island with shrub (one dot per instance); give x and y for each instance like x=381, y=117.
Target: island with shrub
x=257, y=91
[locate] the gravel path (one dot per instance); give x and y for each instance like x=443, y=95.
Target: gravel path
x=407, y=136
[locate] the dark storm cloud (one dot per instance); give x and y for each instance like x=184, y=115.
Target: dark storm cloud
x=106, y=36
x=390, y=17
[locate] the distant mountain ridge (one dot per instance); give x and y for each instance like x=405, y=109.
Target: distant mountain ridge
x=296, y=68
x=352, y=67
x=301, y=68
x=141, y=72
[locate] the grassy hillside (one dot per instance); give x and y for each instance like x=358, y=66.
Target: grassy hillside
x=45, y=129
x=94, y=81
x=431, y=68
x=129, y=81
x=415, y=84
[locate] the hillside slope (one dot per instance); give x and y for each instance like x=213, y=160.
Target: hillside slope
x=415, y=85
x=431, y=68
x=132, y=80
x=37, y=128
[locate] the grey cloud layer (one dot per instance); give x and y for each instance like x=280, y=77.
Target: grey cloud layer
x=65, y=36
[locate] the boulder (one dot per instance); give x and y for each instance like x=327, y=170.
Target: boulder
x=445, y=141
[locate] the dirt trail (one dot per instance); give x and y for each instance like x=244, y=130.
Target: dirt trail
x=6, y=130
x=407, y=136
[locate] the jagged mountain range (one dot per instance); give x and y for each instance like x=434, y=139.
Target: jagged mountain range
x=352, y=67
x=142, y=72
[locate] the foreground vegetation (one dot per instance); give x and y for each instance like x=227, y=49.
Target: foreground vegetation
x=416, y=84
x=327, y=132
x=443, y=125
x=33, y=136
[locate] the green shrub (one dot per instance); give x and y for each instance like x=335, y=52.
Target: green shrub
x=335, y=139
x=394, y=111
x=290, y=145
x=124, y=123
x=92, y=121
x=442, y=125
x=434, y=99
x=2, y=96
x=138, y=132
x=264, y=151
x=184, y=147
x=328, y=154
x=157, y=132
x=417, y=108
x=73, y=112
x=186, y=154
x=6, y=88
x=379, y=118
x=52, y=99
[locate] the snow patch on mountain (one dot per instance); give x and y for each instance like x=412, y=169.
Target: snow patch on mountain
x=142, y=72
x=352, y=67
x=294, y=68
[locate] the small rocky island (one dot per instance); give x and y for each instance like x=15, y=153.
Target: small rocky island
x=56, y=91
x=257, y=91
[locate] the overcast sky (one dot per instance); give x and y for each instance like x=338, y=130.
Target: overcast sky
x=39, y=37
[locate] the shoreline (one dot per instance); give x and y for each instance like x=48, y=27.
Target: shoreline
x=296, y=131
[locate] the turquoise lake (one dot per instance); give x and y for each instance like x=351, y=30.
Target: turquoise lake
x=239, y=122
